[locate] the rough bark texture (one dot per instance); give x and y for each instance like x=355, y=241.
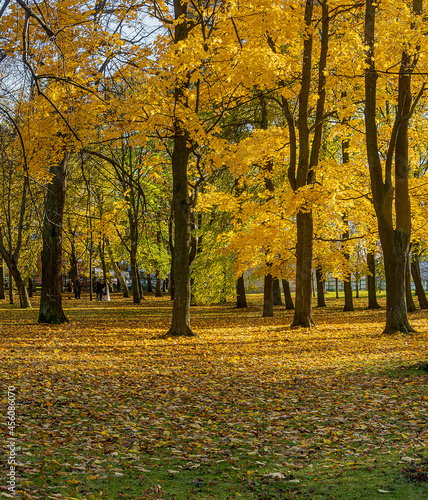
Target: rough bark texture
x=180, y=324
x=416, y=275
x=320, y=287
x=371, y=282
x=241, y=298
x=395, y=240
x=51, y=299
x=287, y=295
x=268, y=297
x=277, y=299
x=303, y=302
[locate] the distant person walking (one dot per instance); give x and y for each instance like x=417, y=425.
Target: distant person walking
x=77, y=288
x=99, y=290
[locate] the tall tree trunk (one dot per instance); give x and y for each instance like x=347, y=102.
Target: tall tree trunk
x=337, y=287
x=2, y=294
x=73, y=259
x=320, y=287
x=308, y=160
x=371, y=281
x=287, y=295
x=416, y=275
x=277, y=299
x=180, y=324
x=241, y=298
x=140, y=286
x=158, y=285
x=51, y=310
x=303, y=303
x=268, y=297
x=409, y=297
x=395, y=241
x=347, y=277
x=133, y=258
x=30, y=288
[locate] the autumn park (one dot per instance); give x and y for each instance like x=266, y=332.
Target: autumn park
x=213, y=249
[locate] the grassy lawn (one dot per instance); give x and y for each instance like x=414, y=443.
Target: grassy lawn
x=249, y=409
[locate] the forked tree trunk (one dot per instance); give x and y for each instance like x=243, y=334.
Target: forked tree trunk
x=241, y=298
x=320, y=287
x=51, y=310
x=268, y=297
x=371, y=281
x=416, y=275
x=277, y=299
x=395, y=240
x=287, y=295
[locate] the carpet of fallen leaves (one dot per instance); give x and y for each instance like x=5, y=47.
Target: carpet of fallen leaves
x=102, y=399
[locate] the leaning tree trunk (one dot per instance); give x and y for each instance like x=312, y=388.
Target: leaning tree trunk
x=268, y=297
x=287, y=295
x=416, y=275
x=24, y=301
x=320, y=287
x=241, y=298
x=51, y=298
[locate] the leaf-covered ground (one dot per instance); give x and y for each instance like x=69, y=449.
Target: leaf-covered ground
x=248, y=409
